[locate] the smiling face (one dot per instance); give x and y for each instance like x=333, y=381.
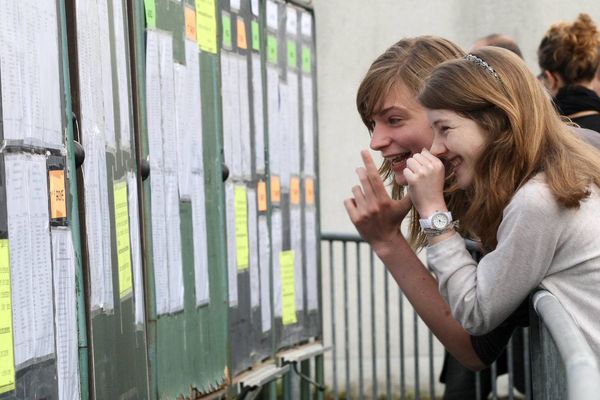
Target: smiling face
x=459, y=142
x=400, y=129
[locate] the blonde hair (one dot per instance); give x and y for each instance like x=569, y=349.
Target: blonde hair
x=525, y=136
x=409, y=62
x=571, y=50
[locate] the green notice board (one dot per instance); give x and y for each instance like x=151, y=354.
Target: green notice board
x=102, y=95
x=185, y=251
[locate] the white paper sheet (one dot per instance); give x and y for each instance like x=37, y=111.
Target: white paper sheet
x=200, y=240
x=122, y=80
x=188, y=119
x=167, y=99
x=107, y=78
x=276, y=238
x=244, y=110
x=30, y=257
x=259, y=125
x=273, y=119
x=231, y=249
x=65, y=318
x=153, y=101
x=255, y=7
x=136, y=250
x=306, y=24
x=264, y=248
x=29, y=66
x=230, y=93
x=296, y=242
x=272, y=15
x=159, y=241
x=176, y=288
x=293, y=120
x=308, y=126
x=291, y=22
x=312, y=289
x=253, y=249
x=235, y=5
x=97, y=222
x=281, y=143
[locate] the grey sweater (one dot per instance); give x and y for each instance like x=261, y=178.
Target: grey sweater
x=540, y=243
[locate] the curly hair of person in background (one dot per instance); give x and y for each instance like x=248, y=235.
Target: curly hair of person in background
x=569, y=58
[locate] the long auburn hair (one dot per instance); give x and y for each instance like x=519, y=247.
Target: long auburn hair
x=525, y=136
x=409, y=61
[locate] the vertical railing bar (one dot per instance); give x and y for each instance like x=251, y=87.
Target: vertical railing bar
x=526, y=363
x=346, y=321
x=431, y=376
x=416, y=353
x=333, y=314
x=388, y=382
x=510, y=365
x=494, y=373
x=373, y=331
x=402, y=358
x=361, y=392
x=478, y=386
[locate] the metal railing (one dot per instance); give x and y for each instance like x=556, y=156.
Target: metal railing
x=564, y=364
x=385, y=356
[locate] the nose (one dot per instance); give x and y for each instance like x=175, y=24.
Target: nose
x=380, y=139
x=437, y=147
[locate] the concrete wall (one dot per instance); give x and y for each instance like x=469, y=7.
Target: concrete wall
x=351, y=33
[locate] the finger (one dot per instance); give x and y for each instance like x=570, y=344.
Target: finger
x=373, y=175
x=426, y=154
x=350, y=206
x=410, y=176
x=359, y=197
x=414, y=165
x=365, y=182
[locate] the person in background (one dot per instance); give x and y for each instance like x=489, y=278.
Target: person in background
x=498, y=40
x=569, y=59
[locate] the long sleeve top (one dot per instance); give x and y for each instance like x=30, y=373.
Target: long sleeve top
x=540, y=243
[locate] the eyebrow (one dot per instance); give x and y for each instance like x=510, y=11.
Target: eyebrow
x=391, y=108
x=439, y=121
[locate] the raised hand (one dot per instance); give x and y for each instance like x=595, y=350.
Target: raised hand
x=373, y=212
x=425, y=176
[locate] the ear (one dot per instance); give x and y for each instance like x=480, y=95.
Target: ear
x=552, y=81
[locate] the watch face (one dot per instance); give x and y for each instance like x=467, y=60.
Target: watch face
x=439, y=221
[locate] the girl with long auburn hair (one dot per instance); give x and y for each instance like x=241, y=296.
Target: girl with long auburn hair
x=516, y=178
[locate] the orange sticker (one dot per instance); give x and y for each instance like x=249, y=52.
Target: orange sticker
x=309, y=191
x=190, y=23
x=262, y=196
x=275, y=190
x=295, y=190
x=241, y=34
x=58, y=196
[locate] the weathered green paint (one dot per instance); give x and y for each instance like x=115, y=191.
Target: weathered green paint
x=74, y=209
x=117, y=348
x=189, y=349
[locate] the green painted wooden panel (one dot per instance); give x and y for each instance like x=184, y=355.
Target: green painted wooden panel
x=118, y=351
x=189, y=350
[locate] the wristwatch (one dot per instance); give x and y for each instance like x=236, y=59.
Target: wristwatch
x=437, y=223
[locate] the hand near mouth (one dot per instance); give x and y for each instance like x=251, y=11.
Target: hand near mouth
x=425, y=174
x=373, y=212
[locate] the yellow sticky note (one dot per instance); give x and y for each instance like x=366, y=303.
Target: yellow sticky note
x=309, y=191
x=241, y=34
x=123, y=246
x=288, y=287
x=58, y=195
x=7, y=362
x=261, y=189
x=275, y=190
x=206, y=25
x=190, y=23
x=295, y=190
x=241, y=226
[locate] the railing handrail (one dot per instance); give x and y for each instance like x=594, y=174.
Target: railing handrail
x=342, y=237
x=583, y=375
